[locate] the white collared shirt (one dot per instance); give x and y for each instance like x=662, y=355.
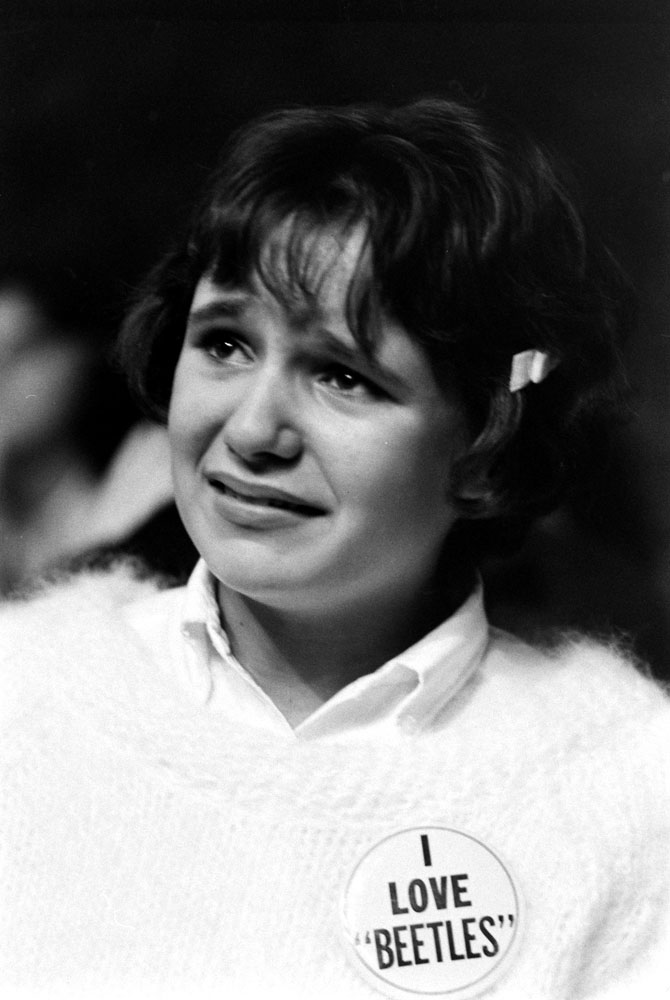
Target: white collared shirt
x=184, y=626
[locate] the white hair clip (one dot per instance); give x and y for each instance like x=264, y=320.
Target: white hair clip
x=530, y=366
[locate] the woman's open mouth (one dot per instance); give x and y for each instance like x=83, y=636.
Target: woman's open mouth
x=269, y=501
x=263, y=497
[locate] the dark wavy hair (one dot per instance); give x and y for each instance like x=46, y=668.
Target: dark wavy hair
x=474, y=246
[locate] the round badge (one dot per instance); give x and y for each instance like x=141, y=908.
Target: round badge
x=431, y=912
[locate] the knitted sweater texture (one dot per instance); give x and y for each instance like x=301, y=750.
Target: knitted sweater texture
x=150, y=849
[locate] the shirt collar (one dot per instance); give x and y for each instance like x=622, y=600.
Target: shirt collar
x=444, y=659
x=429, y=673
x=201, y=609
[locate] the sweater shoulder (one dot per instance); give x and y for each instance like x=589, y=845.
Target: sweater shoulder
x=576, y=660
x=55, y=603
x=59, y=631
x=578, y=688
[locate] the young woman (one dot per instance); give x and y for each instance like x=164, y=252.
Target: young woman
x=316, y=770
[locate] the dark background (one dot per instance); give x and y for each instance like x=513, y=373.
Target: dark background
x=110, y=124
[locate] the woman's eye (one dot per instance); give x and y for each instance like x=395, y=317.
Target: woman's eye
x=223, y=346
x=350, y=382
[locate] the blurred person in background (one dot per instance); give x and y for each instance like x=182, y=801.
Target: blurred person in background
x=80, y=474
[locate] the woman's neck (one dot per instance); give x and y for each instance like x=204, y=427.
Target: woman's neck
x=302, y=659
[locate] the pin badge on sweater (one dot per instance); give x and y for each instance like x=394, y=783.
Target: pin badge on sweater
x=431, y=912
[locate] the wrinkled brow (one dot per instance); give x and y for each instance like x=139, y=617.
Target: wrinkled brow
x=231, y=302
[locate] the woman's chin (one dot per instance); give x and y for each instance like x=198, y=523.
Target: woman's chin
x=270, y=582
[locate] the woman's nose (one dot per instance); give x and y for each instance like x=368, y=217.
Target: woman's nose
x=262, y=422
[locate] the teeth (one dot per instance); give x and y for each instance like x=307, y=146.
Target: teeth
x=263, y=502
x=259, y=501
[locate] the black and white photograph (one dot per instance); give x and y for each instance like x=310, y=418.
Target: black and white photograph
x=335, y=500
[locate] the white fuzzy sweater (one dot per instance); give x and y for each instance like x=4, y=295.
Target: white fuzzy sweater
x=150, y=851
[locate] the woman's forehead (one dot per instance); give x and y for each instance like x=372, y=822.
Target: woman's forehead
x=313, y=272
x=213, y=299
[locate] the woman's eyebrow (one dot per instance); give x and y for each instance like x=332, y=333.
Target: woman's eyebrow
x=223, y=307
x=353, y=355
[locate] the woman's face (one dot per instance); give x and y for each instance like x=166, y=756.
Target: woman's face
x=309, y=476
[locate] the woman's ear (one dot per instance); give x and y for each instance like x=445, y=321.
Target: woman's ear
x=474, y=491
